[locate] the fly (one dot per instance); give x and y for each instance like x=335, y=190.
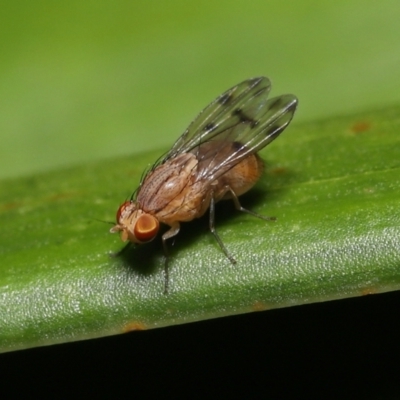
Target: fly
x=214, y=159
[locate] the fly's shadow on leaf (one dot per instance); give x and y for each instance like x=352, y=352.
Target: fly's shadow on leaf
x=143, y=259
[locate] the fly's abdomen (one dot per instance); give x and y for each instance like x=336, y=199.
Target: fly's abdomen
x=241, y=178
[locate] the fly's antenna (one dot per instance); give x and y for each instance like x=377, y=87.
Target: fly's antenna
x=104, y=222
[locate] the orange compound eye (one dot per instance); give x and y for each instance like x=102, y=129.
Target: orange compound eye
x=146, y=228
x=121, y=209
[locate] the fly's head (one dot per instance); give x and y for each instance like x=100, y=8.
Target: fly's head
x=134, y=224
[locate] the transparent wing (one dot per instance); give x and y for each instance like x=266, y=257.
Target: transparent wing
x=260, y=122
x=220, y=115
x=242, y=120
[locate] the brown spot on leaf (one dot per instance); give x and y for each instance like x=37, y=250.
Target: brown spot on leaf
x=368, y=291
x=134, y=326
x=360, y=127
x=278, y=171
x=11, y=205
x=259, y=306
x=61, y=196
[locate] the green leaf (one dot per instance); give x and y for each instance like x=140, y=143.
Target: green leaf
x=333, y=186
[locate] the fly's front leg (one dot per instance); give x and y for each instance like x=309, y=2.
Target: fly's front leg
x=214, y=232
x=239, y=207
x=168, y=235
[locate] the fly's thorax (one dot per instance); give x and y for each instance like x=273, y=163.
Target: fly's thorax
x=188, y=205
x=134, y=224
x=167, y=183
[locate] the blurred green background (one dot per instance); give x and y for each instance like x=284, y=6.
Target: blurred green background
x=82, y=81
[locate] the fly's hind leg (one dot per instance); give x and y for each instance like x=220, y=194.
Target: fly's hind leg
x=239, y=207
x=228, y=190
x=173, y=231
x=214, y=232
